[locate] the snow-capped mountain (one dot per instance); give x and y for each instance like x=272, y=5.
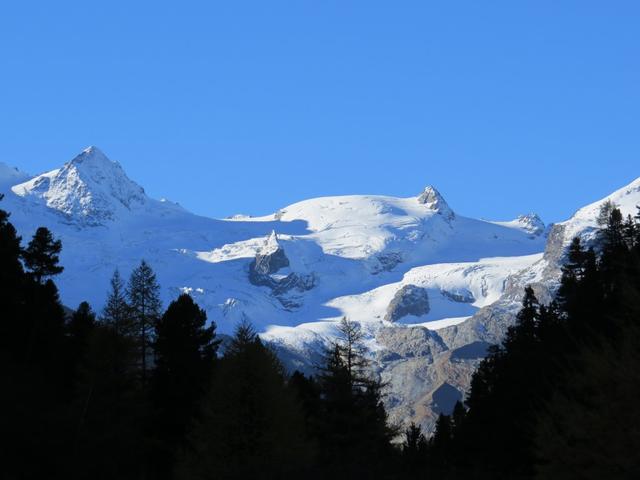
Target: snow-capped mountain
x=431, y=288
x=90, y=189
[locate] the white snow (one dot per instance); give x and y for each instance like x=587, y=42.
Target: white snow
x=358, y=249
x=583, y=222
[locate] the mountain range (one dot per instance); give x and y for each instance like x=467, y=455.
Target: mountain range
x=430, y=288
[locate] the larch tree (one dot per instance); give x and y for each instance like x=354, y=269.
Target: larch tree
x=144, y=299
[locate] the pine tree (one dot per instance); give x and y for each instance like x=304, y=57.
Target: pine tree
x=354, y=432
x=82, y=321
x=307, y=391
x=185, y=350
x=604, y=214
x=611, y=222
x=42, y=255
x=352, y=351
x=252, y=425
x=32, y=365
x=144, y=299
x=79, y=328
x=12, y=281
x=108, y=413
x=414, y=449
x=443, y=433
x=117, y=312
x=458, y=417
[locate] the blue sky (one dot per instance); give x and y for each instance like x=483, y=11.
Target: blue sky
x=244, y=107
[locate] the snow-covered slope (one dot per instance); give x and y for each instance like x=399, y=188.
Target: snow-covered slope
x=418, y=276
x=90, y=189
x=10, y=176
x=338, y=255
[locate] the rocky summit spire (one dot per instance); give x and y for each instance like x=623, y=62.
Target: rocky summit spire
x=432, y=199
x=271, y=244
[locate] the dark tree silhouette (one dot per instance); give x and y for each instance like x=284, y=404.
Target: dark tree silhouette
x=185, y=350
x=144, y=299
x=42, y=255
x=251, y=426
x=117, y=313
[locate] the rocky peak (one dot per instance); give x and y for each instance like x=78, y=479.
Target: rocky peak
x=432, y=199
x=90, y=188
x=532, y=223
x=271, y=245
x=270, y=258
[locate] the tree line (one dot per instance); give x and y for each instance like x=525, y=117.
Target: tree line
x=138, y=392
x=141, y=393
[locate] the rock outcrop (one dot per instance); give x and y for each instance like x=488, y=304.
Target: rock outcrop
x=266, y=270
x=432, y=199
x=409, y=300
x=532, y=223
x=268, y=261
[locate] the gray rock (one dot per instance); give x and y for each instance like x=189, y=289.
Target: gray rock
x=413, y=342
x=409, y=300
x=385, y=262
x=431, y=198
x=461, y=296
x=268, y=262
x=532, y=223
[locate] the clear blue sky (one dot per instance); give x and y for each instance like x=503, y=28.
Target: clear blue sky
x=244, y=107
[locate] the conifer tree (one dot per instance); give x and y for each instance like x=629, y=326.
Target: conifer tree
x=117, y=312
x=42, y=255
x=354, y=431
x=79, y=328
x=252, y=425
x=108, y=413
x=144, y=299
x=414, y=449
x=185, y=350
x=11, y=289
x=442, y=437
x=457, y=417
x=82, y=321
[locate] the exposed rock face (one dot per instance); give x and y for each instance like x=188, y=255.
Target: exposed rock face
x=411, y=342
x=409, y=300
x=461, y=296
x=432, y=199
x=386, y=262
x=422, y=379
x=263, y=271
x=532, y=223
x=270, y=258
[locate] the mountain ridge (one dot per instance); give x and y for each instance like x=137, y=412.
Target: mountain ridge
x=446, y=281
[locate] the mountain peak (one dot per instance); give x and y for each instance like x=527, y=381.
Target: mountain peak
x=532, y=223
x=90, y=154
x=271, y=244
x=90, y=187
x=432, y=199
